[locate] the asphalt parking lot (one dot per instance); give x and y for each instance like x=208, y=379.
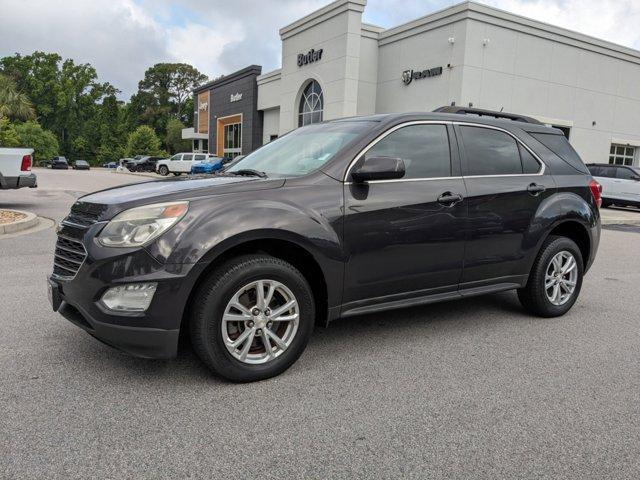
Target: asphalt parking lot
x=470, y=389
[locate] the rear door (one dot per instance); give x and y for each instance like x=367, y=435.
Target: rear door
x=405, y=238
x=505, y=186
x=187, y=161
x=607, y=178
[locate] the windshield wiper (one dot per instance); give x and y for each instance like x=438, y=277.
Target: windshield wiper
x=249, y=172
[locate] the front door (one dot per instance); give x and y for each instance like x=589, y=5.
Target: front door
x=405, y=238
x=505, y=186
x=626, y=185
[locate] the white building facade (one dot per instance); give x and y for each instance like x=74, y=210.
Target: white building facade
x=334, y=65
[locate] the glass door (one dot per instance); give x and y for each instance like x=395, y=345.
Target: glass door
x=232, y=146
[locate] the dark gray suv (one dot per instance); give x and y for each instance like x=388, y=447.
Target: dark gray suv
x=331, y=220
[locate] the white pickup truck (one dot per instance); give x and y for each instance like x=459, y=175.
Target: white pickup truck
x=15, y=168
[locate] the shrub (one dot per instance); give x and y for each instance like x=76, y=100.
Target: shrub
x=143, y=141
x=8, y=135
x=43, y=142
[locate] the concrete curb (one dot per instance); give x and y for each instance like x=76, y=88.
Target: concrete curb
x=30, y=221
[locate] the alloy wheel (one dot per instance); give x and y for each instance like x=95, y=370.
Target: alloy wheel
x=561, y=278
x=260, y=321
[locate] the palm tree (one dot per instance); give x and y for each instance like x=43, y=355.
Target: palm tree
x=14, y=104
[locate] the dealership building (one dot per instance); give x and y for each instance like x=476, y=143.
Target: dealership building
x=334, y=65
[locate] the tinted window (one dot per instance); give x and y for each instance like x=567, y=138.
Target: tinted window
x=187, y=156
x=490, y=152
x=529, y=163
x=625, y=173
x=559, y=145
x=423, y=148
x=593, y=170
x=199, y=157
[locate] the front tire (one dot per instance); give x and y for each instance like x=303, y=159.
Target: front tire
x=163, y=170
x=555, y=279
x=244, y=335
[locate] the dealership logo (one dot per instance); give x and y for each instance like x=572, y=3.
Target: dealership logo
x=410, y=75
x=204, y=105
x=310, y=57
x=235, y=98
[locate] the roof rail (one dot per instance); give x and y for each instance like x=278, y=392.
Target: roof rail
x=487, y=113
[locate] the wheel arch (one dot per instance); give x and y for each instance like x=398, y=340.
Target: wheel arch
x=285, y=247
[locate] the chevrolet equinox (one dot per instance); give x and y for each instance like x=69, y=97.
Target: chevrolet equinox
x=332, y=220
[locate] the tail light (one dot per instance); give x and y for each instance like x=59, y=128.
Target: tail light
x=596, y=191
x=26, y=163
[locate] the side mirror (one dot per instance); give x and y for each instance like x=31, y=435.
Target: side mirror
x=636, y=178
x=378, y=168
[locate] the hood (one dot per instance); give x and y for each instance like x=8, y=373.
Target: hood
x=119, y=198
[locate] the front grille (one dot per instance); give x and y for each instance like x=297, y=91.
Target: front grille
x=69, y=256
x=83, y=219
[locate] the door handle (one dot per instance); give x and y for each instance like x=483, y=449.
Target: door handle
x=536, y=189
x=449, y=199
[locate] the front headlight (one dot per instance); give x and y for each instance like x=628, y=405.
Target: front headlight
x=140, y=225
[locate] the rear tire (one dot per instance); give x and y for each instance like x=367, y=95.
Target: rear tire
x=547, y=290
x=212, y=335
x=163, y=170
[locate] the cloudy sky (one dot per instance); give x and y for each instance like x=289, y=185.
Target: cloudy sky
x=121, y=38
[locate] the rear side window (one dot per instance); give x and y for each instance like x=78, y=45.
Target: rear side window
x=529, y=163
x=423, y=148
x=559, y=145
x=490, y=152
x=200, y=157
x=187, y=156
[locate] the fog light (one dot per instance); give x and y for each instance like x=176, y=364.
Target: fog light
x=135, y=297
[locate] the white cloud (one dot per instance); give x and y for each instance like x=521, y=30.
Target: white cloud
x=122, y=38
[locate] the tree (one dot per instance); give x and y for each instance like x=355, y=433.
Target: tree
x=8, y=135
x=143, y=141
x=165, y=92
x=66, y=95
x=43, y=142
x=173, y=139
x=13, y=103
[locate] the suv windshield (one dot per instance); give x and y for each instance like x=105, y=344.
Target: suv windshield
x=301, y=151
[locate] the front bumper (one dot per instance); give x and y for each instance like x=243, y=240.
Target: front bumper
x=151, y=334
x=30, y=181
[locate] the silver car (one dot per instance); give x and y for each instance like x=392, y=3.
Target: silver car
x=620, y=183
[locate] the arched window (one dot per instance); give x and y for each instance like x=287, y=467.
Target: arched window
x=311, y=105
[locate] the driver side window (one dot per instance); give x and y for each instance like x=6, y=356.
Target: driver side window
x=423, y=148
x=176, y=157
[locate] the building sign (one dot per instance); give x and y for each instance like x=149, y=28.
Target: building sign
x=235, y=98
x=204, y=105
x=409, y=75
x=310, y=57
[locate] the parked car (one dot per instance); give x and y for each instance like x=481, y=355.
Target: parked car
x=181, y=163
x=81, y=165
x=15, y=168
x=59, y=163
x=620, y=184
x=210, y=165
x=109, y=165
x=142, y=164
x=332, y=220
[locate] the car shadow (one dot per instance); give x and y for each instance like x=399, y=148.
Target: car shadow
x=441, y=319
